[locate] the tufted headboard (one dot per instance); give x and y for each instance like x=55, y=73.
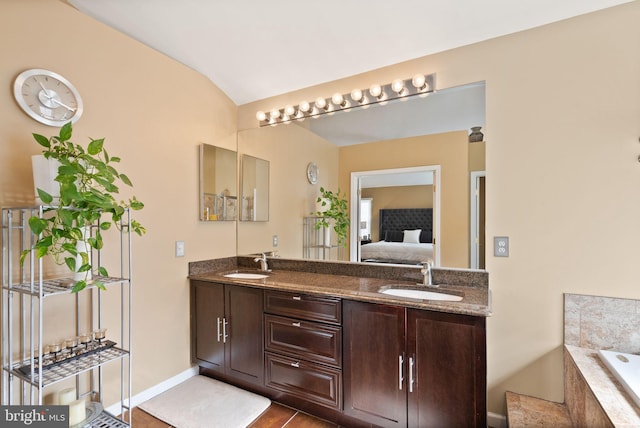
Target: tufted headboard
x=394, y=221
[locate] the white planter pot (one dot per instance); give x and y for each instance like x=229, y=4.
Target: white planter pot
x=45, y=172
x=83, y=247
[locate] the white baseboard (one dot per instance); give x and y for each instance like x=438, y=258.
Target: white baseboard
x=495, y=420
x=147, y=394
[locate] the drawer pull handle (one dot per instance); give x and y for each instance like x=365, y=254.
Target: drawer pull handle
x=411, y=368
x=296, y=364
x=295, y=324
x=296, y=298
x=400, y=370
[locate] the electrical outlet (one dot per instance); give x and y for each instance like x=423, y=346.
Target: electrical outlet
x=501, y=246
x=179, y=248
x=275, y=240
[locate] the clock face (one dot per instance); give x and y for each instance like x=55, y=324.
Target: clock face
x=47, y=97
x=312, y=173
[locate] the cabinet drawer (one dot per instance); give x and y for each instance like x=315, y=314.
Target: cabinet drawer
x=309, y=381
x=297, y=305
x=311, y=341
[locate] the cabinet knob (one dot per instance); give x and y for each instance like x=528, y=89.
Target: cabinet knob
x=295, y=324
x=296, y=298
x=296, y=364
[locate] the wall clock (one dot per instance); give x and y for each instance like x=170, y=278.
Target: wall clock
x=47, y=97
x=312, y=173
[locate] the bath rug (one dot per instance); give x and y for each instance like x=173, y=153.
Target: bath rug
x=204, y=402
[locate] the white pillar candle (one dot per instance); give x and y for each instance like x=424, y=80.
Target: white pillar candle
x=77, y=412
x=66, y=396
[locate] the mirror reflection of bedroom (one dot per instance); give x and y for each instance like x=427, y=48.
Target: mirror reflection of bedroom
x=396, y=217
x=418, y=194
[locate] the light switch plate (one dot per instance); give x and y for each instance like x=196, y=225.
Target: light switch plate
x=179, y=248
x=501, y=246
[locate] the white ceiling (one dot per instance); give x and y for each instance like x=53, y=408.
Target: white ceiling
x=254, y=49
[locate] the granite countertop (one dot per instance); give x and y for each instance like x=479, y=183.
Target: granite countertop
x=476, y=299
x=612, y=397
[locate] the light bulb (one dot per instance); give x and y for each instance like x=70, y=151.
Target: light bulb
x=321, y=103
x=419, y=81
x=274, y=114
x=398, y=86
x=304, y=106
x=375, y=91
x=289, y=110
x=338, y=99
x=357, y=95
x=261, y=116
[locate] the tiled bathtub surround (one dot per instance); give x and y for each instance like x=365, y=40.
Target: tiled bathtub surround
x=602, y=323
x=593, y=396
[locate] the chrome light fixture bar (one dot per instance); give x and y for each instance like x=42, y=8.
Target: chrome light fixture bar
x=420, y=84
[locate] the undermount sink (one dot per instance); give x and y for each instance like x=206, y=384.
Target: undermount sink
x=413, y=293
x=245, y=275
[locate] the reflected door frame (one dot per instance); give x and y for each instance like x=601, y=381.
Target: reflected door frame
x=475, y=226
x=356, y=177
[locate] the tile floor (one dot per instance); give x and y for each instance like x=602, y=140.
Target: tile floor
x=276, y=416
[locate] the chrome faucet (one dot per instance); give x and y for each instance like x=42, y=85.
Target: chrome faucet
x=264, y=267
x=427, y=279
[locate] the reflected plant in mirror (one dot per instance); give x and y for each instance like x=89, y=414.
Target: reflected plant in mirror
x=333, y=211
x=218, y=190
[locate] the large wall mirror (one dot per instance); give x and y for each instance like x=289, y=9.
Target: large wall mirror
x=364, y=153
x=218, y=189
x=255, y=189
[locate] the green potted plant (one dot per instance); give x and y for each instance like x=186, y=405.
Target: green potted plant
x=333, y=206
x=88, y=184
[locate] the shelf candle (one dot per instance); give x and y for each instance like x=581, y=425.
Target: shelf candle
x=77, y=412
x=71, y=342
x=100, y=334
x=66, y=396
x=86, y=338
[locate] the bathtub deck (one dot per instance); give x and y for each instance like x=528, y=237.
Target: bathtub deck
x=616, y=403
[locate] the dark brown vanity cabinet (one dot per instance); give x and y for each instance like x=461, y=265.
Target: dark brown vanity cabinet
x=408, y=367
x=303, y=344
x=227, y=330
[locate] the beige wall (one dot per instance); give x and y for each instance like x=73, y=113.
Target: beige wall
x=563, y=109
x=450, y=151
x=153, y=113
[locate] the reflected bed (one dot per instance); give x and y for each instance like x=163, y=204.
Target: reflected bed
x=406, y=236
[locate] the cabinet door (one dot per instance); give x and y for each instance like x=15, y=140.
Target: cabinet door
x=374, y=363
x=449, y=353
x=208, y=304
x=245, y=358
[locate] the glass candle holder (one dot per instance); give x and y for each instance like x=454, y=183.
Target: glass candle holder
x=100, y=334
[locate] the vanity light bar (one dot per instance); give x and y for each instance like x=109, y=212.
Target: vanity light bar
x=419, y=84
